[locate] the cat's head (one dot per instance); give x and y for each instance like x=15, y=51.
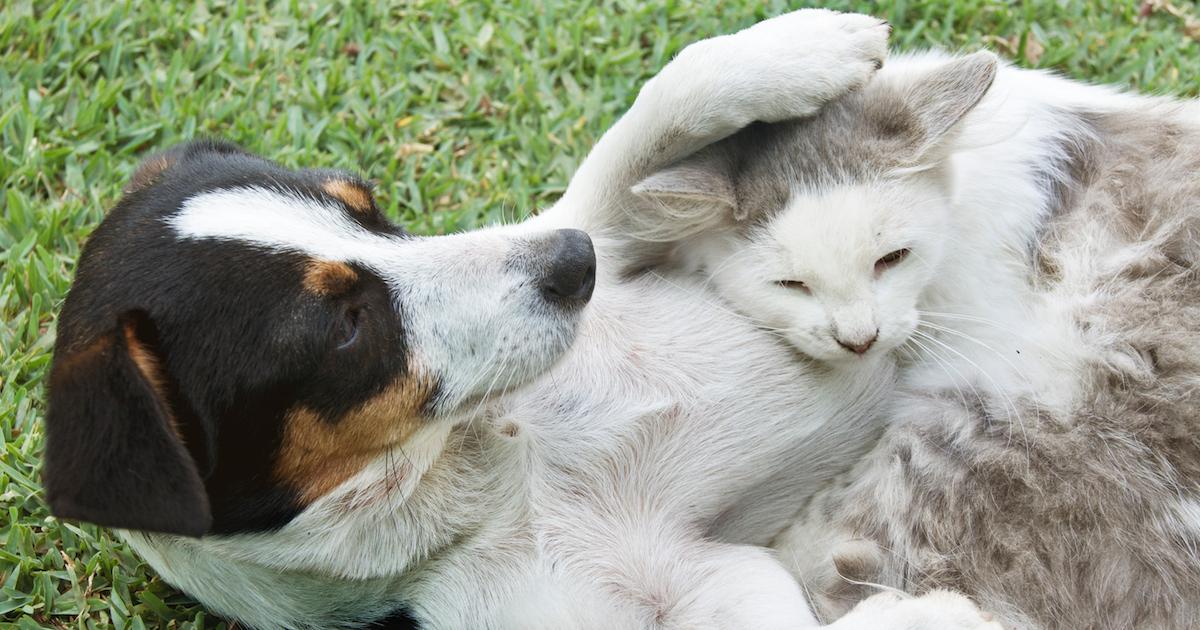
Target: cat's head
x=829, y=230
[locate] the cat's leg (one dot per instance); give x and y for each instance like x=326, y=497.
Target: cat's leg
x=785, y=67
x=841, y=550
x=837, y=565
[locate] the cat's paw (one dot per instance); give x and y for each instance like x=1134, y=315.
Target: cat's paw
x=937, y=610
x=787, y=66
x=855, y=566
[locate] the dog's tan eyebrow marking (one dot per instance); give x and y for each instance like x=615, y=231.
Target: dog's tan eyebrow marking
x=354, y=195
x=327, y=278
x=317, y=454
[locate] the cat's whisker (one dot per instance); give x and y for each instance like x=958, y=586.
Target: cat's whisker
x=726, y=262
x=719, y=305
x=1017, y=371
x=1023, y=336
x=944, y=363
x=973, y=339
x=947, y=367
x=998, y=389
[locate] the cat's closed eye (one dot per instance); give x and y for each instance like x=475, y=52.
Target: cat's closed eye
x=891, y=260
x=794, y=285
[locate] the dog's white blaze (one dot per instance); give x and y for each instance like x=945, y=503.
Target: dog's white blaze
x=281, y=221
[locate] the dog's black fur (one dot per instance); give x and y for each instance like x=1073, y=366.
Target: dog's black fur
x=160, y=421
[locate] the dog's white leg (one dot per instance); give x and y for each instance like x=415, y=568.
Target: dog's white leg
x=939, y=610
x=785, y=67
x=670, y=577
x=743, y=587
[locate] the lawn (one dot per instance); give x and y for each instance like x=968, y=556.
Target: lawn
x=462, y=112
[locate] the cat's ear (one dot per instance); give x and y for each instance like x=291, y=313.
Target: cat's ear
x=935, y=103
x=688, y=197
x=703, y=178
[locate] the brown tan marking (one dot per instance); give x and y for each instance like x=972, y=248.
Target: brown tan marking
x=350, y=193
x=327, y=278
x=149, y=366
x=317, y=455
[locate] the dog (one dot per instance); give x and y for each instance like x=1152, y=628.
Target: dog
x=306, y=418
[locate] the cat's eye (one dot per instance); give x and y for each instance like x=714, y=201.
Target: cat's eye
x=346, y=332
x=795, y=285
x=891, y=259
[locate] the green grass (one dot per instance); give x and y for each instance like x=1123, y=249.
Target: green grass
x=462, y=112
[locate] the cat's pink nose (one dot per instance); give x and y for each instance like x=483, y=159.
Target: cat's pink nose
x=859, y=347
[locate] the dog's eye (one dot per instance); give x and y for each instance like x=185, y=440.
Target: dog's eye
x=795, y=285
x=347, y=328
x=891, y=259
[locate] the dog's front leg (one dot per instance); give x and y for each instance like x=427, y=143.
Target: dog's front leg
x=938, y=610
x=667, y=577
x=742, y=587
x=781, y=68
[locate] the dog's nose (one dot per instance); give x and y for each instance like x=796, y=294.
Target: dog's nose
x=571, y=272
x=858, y=347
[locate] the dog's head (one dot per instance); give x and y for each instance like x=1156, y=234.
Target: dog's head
x=242, y=338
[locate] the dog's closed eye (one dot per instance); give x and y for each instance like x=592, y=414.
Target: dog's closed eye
x=346, y=332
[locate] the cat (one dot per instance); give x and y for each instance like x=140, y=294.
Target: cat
x=1027, y=249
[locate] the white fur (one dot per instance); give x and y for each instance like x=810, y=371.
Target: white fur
x=1006, y=337
x=831, y=241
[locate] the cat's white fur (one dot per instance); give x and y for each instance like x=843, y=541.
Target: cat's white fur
x=969, y=229
x=633, y=485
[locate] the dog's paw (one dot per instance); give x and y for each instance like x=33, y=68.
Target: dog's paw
x=850, y=38
x=815, y=56
x=938, y=610
x=784, y=67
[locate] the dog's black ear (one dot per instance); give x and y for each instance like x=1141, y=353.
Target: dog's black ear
x=114, y=453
